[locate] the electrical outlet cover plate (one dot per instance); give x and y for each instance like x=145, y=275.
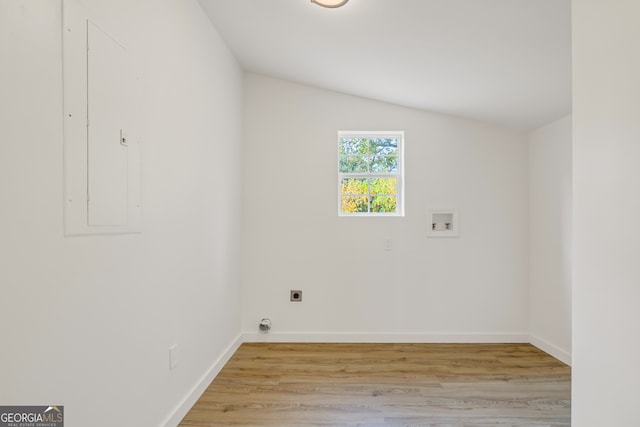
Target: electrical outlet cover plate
x=296, y=296
x=173, y=357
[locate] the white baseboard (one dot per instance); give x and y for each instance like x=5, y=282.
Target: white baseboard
x=555, y=351
x=192, y=397
x=367, y=337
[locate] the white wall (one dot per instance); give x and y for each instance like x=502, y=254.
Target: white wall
x=606, y=291
x=86, y=322
x=469, y=288
x=550, y=229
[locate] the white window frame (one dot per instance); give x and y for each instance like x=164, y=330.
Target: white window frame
x=399, y=175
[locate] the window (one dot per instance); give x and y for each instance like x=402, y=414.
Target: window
x=370, y=173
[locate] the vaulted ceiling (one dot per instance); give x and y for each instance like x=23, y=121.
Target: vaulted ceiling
x=506, y=62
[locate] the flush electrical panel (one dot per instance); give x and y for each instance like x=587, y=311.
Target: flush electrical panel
x=101, y=141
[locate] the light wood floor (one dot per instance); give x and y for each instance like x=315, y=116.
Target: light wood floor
x=430, y=385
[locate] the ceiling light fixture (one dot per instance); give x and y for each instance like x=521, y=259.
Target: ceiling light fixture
x=330, y=3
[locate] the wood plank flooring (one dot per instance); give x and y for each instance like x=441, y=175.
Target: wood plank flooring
x=429, y=385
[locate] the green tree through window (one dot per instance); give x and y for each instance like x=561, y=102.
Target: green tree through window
x=370, y=173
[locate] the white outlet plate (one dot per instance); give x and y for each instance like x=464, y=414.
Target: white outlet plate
x=173, y=357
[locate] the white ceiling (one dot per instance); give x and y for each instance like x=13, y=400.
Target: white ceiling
x=500, y=61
